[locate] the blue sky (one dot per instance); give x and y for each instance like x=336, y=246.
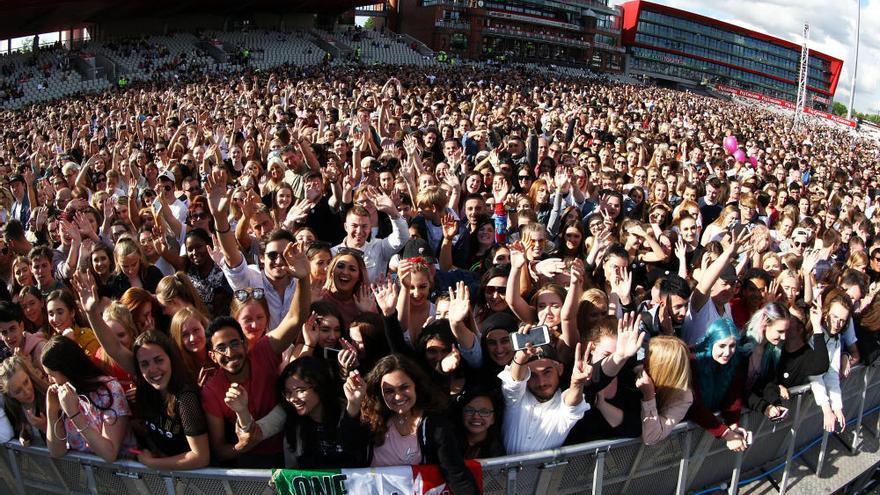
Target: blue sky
x=832, y=31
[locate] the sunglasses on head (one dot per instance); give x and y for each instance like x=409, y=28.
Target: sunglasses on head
x=352, y=251
x=254, y=293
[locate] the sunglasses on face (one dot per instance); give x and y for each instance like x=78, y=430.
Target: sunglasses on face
x=491, y=290
x=244, y=294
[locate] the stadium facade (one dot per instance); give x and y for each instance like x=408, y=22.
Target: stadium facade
x=581, y=32
x=671, y=44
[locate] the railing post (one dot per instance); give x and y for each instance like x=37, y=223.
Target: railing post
x=169, y=485
x=13, y=463
x=511, y=480
x=737, y=468
x=857, y=431
x=599, y=473
x=789, y=453
x=681, y=486
x=90, y=479
x=822, y=450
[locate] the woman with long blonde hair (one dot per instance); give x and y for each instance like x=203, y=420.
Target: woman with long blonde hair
x=726, y=219
x=665, y=384
x=188, y=333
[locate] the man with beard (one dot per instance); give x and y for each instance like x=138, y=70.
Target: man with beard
x=274, y=278
x=667, y=316
x=537, y=416
x=251, y=373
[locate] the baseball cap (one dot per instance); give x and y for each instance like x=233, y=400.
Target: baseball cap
x=15, y=178
x=546, y=351
x=418, y=248
x=167, y=175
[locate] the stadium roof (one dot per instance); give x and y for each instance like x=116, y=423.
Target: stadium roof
x=27, y=17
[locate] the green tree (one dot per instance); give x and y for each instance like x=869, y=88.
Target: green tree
x=838, y=109
x=371, y=23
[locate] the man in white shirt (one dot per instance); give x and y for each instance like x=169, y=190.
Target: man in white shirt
x=377, y=252
x=537, y=415
x=166, y=195
x=274, y=281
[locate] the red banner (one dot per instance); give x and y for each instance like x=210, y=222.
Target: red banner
x=782, y=103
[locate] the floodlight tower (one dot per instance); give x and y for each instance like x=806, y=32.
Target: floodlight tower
x=802, y=79
x=852, y=87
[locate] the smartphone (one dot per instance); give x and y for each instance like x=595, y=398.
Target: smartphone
x=537, y=336
x=331, y=353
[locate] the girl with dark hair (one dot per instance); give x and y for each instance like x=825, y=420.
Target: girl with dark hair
x=570, y=242
x=490, y=298
x=719, y=374
x=319, y=256
x=309, y=413
x=204, y=274
x=481, y=241
x=481, y=413
x=404, y=422
x=85, y=410
x=170, y=422
x=102, y=263
x=63, y=316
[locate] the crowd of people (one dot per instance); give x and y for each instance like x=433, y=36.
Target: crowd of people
x=347, y=266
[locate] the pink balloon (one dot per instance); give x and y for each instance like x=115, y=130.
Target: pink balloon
x=730, y=144
x=740, y=156
x=754, y=161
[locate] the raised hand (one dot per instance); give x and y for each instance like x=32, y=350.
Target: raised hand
x=385, y=293
x=364, y=300
x=517, y=254
x=680, y=249
x=86, y=290
x=297, y=262
x=355, y=389
x=816, y=315
x=500, y=189
x=310, y=331
x=583, y=368
x=215, y=188
x=629, y=338
x=459, y=304
x=450, y=227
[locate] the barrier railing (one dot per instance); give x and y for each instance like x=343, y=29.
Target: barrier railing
x=689, y=461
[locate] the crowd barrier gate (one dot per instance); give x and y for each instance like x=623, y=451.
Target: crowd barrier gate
x=689, y=461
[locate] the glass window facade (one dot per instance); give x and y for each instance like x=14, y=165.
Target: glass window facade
x=694, y=38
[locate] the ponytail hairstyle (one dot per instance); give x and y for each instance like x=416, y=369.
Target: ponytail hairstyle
x=714, y=379
x=180, y=286
x=755, y=335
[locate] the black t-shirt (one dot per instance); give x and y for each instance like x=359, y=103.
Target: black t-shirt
x=167, y=434
x=710, y=213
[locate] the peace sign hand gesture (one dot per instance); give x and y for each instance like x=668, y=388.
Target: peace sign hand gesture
x=583, y=368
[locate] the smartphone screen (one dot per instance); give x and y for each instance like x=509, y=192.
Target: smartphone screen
x=536, y=336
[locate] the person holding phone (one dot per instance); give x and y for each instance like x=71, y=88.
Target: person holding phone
x=764, y=340
x=538, y=415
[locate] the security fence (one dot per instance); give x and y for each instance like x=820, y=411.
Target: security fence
x=689, y=461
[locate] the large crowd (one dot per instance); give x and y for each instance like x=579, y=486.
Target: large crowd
x=344, y=266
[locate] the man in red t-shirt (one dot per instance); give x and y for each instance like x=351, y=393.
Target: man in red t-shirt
x=255, y=370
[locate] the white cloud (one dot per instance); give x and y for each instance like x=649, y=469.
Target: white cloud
x=832, y=31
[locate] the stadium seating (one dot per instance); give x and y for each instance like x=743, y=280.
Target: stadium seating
x=272, y=48
x=380, y=48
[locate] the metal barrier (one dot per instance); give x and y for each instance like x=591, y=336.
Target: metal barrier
x=689, y=461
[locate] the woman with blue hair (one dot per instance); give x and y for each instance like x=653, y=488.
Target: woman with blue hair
x=719, y=374
x=763, y=343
